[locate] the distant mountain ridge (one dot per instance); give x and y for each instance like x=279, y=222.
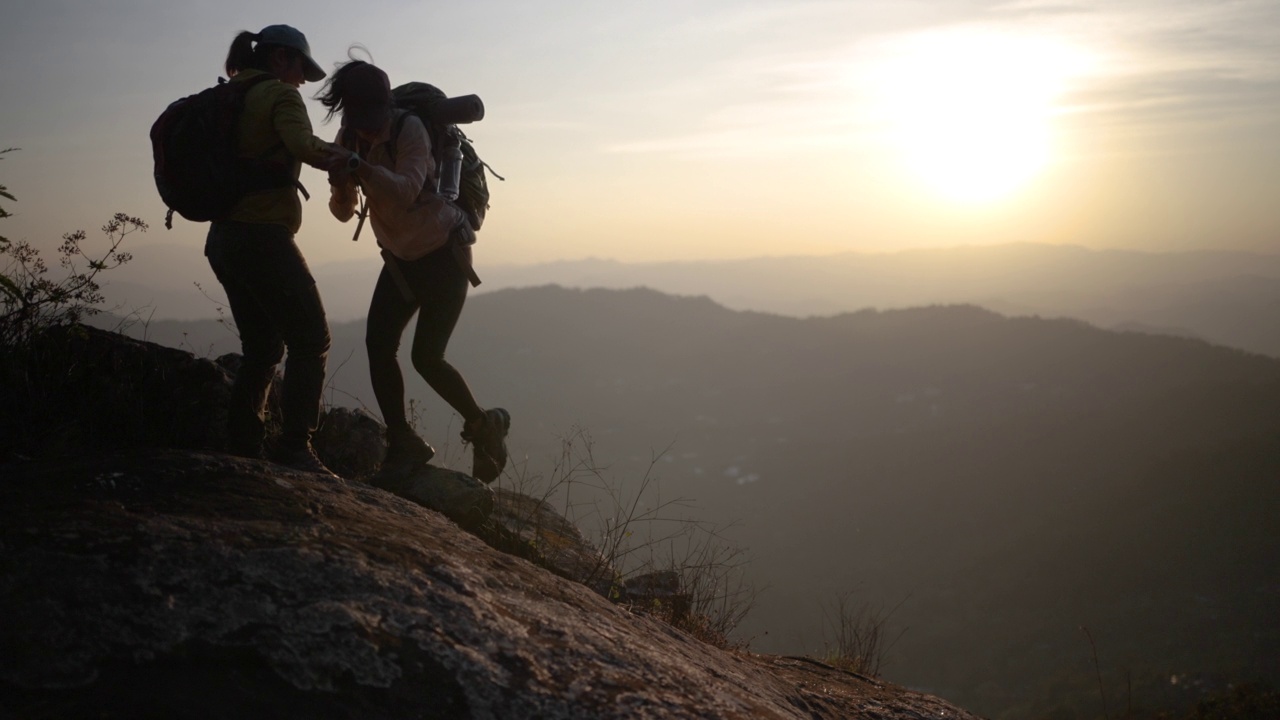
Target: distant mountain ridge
x=1228, y=298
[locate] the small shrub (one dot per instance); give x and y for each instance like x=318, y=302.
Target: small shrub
x=859, y=639
x=40, y=314
x=1247, y=701
x=31, y=301
x=4, y=193
x=637, y=536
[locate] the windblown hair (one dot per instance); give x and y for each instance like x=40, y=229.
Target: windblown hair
x=245, y=55
x=333, y=92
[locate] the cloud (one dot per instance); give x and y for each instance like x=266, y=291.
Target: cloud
x=761, y=106
x=1175, y=64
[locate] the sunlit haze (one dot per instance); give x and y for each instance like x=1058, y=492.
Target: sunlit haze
x=717, y=129
x=972, y=111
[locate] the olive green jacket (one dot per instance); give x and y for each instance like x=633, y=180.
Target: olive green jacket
x=275, y=115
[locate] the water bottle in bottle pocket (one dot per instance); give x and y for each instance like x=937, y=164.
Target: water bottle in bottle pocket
x=450, y=165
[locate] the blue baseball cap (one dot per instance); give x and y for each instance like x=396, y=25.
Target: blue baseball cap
x=290, y=37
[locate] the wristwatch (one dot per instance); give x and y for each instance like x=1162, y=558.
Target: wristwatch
x=353, y=163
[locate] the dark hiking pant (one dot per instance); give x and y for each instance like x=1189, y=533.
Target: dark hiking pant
x=276, y=306
x=439, y=288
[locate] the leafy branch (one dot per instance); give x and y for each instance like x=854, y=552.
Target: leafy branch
x=4, y=193
x=31, y=301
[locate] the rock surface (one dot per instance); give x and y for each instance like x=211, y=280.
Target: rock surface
x=456, y=495
x=350, y=442
x=184, y=584
x=556, y=543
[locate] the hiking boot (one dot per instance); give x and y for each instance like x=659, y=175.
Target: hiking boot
x=405, y=449
x=303, y=459
x=488, y=438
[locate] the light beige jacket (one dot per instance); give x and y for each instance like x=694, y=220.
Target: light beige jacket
x=408, y=219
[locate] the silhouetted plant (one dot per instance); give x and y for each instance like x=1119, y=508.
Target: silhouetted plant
x=859, y=639
x=1246, y=701
x=712, y=596
x=634, y=538
x=4, y=193
x=31, y=301
x=1097, y=669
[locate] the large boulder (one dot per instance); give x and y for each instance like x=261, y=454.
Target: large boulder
x=351, y=442
x=455, y=495
x=181, y=584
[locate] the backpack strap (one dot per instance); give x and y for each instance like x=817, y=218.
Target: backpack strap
x=460, y=241
x=395, y=134
x=392, y=264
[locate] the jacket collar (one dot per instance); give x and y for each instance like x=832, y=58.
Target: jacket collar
x=385, y=133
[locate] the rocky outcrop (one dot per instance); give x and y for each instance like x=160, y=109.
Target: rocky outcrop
x=184, y=584
x=144, y=575
x=78, y=390
x=458, y=496
x=350, y=441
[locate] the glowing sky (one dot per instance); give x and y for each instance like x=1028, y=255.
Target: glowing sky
x=714, y=128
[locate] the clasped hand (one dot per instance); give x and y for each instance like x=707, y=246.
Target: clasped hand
x=335, y=161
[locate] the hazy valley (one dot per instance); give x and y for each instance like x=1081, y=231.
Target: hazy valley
x=1008, y=480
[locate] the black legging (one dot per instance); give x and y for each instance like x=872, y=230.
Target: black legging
x=439, y=288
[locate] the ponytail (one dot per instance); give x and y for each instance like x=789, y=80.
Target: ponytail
x=241, y=55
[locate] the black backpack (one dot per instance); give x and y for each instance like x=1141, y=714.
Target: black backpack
x=197, y=168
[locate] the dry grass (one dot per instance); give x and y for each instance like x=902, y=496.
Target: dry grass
x=637, y=534
x=859, y=635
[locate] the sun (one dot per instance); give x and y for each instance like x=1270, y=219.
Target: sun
x=971, y=112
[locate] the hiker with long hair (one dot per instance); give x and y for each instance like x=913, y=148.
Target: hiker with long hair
x=273, y=297
x=426, y=248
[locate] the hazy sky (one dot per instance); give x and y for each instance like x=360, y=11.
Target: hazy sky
x=716, y=128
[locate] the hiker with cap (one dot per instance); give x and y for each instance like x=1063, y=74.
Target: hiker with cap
x=426, y=248
x=272, y=294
